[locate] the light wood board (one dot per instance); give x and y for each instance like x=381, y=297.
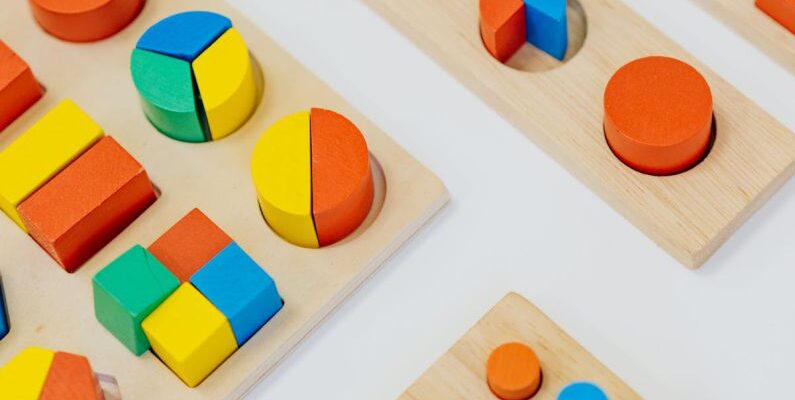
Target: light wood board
x=461, y=372
x=757, y=27
x=52, y=309
x=689, y=215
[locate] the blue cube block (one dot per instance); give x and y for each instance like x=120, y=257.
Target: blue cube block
x=547, y=27
x=240, y=289
x=184, y=35
x=3, y=313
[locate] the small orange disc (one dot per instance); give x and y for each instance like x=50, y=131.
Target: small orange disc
x=658, y=115
x=84, y=20
x=513, y=372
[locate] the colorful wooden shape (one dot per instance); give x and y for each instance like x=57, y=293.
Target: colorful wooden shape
x=783, y=11
x=165, y=86
x=342, y=183
x=18, y=88
x=84, y=20
x=503, y=27
x=189, y=244
x=226, y=83
x=23, y=377
x=5, y=323
x=582, y=391
x=240, y=289
x=87, y=204
x=658, y=115
x=190, y=335
x=71, y=378
x=513, y=371
x=127, y=291
x=281, y=170
x=184, y=35
x=547, y=26
x=41, y=152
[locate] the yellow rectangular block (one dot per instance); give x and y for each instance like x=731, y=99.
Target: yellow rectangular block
x=189, y=334
x=23, y=377
x=43, y=151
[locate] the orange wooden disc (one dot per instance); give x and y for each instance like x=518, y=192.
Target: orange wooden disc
x=782, y=11
x=658, y=115
x=84, y=20
x=342, y=184
x=513, y=372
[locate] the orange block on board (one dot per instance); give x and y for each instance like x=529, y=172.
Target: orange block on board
x=658, y=115
x=84, y=20
x=503, y=27
x=88, y=203
x=189, y=244
x=18, y=88
x=71, y=378
x=342, y=184
x=513, y=372
x=782, y=11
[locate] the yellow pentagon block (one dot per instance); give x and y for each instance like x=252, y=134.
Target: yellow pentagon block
x=189, y=334
x=226, y=83
x=43, y=151
x=23, y=377
x=281, y=169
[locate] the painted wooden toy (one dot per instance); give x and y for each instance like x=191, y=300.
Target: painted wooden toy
x=84, y=20
x=5, y=322
x=195, y=77
x=505, y=25
x=312, y=173
x=18, y=87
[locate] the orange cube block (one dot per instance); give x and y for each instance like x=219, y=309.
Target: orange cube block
x=87, y=204
x=503, y=27
x=189, y=244
x=71, y=378
x=18, y=88
x=782, y=11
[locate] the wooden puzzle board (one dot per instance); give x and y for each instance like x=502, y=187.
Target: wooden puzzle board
x=461, y=372
x=53, y=309
x=690, y=214
x=757, y=27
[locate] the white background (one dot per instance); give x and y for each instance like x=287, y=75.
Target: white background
x=519, y=222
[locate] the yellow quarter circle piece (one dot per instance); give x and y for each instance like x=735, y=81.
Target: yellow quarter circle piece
x=226, y=83
x=189, y=334
x=43, y=151
x=24, y=376
x=281, y=169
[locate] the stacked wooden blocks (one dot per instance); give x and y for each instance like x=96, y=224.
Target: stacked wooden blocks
x=70, y=187
x=41, y=374
x=193, y=297
x=18, y=87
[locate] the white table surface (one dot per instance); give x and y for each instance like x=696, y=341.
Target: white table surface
x=519, y=222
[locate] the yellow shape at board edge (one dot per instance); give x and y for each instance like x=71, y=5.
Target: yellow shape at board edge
x=24, y=376
x=189, y=334
x=42, y=151
x=281, y=169
x=225, y=80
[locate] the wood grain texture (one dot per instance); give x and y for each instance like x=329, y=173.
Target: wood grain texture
x=461, y=372
x=757, y=27
x=212, y=176
x=689, y=215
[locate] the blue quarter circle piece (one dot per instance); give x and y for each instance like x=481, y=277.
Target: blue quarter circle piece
x=184, y=35
x=582, y=391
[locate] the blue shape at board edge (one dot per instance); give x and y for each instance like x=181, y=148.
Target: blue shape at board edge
x=582, y=391
x=185, y=35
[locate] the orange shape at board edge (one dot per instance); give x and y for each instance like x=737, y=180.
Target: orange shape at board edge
x=503, y=27
x=783, y=11
x=513, y=371
x=658, y=115
x=85, y=20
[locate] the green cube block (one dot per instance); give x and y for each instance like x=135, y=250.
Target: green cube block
x=127, y=290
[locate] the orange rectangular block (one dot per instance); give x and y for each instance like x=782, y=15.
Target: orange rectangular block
x=782, y=11
x=189, y=244
x=87, y=204
x=503, y=27
x=71, y=378
x=18, y=88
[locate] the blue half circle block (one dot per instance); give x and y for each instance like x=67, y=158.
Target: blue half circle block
x=582, y=391
x=240, y=289
x=3, y=313
x=184, y=35
x=547, y=26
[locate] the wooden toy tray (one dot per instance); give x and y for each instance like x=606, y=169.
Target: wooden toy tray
x=690, y=214
x=757, y=27
x=53, y=309
x=461, y=372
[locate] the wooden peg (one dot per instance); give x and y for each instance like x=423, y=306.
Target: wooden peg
x=513, y=371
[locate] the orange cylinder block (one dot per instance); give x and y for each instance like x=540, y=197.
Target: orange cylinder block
x=513, y=372
x=782, y=11
x=84, y=20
